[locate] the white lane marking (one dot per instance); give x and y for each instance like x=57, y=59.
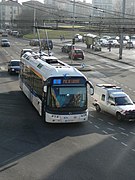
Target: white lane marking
x=100, y=119
x=132, y=133
x=114, y=138
x=109, y=66
x=12, y=57
x=124, y=144
x=105, y=132
x=110, y=123
x=96, y=126
x=90, y=122
x=99, y=66
x=121, y=128
x=91, y=115
x=124, y=134
x=133, y=150
x=110, y=129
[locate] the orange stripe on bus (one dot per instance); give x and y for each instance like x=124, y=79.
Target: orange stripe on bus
x=39, y=75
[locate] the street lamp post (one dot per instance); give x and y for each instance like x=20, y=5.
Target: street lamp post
x=121, y=34
x=34, y=18
x=73, y=28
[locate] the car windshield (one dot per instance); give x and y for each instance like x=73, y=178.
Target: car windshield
x=4, y=40
x=15, y=63
x=65, y=98
x=123, y=101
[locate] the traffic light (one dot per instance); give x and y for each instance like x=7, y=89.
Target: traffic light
x=73, y=41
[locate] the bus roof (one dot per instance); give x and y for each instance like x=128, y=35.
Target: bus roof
x=49, y=66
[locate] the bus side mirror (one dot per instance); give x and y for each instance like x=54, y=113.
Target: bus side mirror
x=91, y=88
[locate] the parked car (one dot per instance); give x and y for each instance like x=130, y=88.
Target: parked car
x=114, y=43
x=129, y=45
x=106, y=37
x=103, y=42
x=96, y=46
x=76, y=54
x=46, y=44
x=132, y=39
x=4, y=34
x=34, y=42
x=5, y=43
x=67, y=48
x=15, y=33
x=1, y=31
x=14, y=66
x=78, y=38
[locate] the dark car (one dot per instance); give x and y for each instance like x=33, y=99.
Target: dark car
x=5, y=43
x=14, y=66
x=76, y=54
x=67, y=48
x=46, y=44
x=34, y=42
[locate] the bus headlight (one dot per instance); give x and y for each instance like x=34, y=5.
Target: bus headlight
x=83, y=115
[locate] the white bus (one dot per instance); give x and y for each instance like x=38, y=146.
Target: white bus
x=58, y=91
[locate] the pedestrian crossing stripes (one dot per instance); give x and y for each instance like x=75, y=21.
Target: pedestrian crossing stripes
x=105, y=66
x=114, y=66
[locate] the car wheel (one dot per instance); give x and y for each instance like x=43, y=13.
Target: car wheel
x=98, y=109
x=119, y=116
x=82, y=58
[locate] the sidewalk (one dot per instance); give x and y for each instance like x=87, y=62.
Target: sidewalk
x=128, y=55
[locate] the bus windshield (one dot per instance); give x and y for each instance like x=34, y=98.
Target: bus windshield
x=67, y=97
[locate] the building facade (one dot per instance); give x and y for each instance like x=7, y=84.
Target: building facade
x=102, y=7
x=73, y=8
x=9, y=10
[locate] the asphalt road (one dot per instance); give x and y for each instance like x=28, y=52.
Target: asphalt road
x=99, y=149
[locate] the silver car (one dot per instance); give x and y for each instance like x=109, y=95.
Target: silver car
x=5, y=43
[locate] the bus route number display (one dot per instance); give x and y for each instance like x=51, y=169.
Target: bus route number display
x=71, y=81
x=66, y=81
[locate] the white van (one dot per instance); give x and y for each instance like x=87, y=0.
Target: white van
x=113, y=100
